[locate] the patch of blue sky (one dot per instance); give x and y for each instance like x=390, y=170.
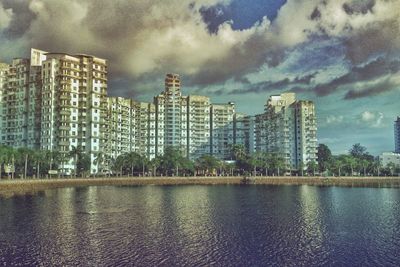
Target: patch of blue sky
x=243, y=14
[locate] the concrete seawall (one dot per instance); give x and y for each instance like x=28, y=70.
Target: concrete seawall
x=20, y=187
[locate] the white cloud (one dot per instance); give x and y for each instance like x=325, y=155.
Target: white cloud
x=153, y=37
x=332, y=119
x=5, y=17
x=372, y=119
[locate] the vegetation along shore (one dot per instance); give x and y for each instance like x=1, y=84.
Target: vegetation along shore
x=21, y=187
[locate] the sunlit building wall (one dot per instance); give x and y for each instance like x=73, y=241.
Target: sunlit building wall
x=222, y=129
x=4, y=69
x=288, y=128
x=199, y=124
x=397, y=135
x=74, y=106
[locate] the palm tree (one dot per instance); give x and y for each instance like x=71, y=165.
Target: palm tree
x=312, y=166
x=39, y=156
x=155, y=163
x=99, y=161
x=22, y=157
x=238, y=151
x=4, y=156
x=74, y=153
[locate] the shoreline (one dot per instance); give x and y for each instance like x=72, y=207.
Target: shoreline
x=9, y=188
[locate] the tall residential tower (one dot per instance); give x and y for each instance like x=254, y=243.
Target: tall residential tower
x=397, y=135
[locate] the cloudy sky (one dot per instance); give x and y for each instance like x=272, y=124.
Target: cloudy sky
x=343, y=54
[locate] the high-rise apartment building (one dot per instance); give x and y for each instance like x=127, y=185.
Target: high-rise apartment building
x=288, y=127
x=4, y=69
x=171, y=109
x=21, y=104
x=74, y=106
x=244, y=133
x=397, y=135
x=222, y=129
x=59, y=102
x=199, y=125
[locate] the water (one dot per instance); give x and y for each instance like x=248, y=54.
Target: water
x=202, y=226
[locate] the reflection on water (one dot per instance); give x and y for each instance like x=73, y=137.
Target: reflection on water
x=202, y=225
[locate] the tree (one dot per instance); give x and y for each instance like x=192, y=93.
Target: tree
x=324, y=157
x=238, y=152
x=5, y=156
x=302, y=166
x=277, y=163
x=358, y=151
x=83, y=165
x=207, y=164
x=75, y=153
x=154, y=164
x=311, y=167
x=39, y=158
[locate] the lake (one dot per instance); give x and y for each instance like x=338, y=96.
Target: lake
x=202, y=226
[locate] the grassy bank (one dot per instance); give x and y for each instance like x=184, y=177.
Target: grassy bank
x=20, y=187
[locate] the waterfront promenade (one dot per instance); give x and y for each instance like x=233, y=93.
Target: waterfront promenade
x=21, y=187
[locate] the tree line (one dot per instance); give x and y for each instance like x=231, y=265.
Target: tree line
x=357, y=162
x=24, y=162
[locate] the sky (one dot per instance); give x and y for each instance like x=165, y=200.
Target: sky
x=342, y=54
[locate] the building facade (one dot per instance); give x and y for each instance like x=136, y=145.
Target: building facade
x=59, y=102
x=288, y=128
x=397, y=135
x=387, y=158
x=222, y=130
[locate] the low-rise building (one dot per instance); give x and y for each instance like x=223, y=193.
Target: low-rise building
x=387, y=158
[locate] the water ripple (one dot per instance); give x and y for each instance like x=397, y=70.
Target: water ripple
x=202, y=226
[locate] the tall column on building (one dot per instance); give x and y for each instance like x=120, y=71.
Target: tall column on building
x=21, y=99
x=4, y=69
x=171, y=109
x=199, y=124
x=74, y=106
x=244, y=131
x=222, y=129
x=305, y=132
x=397, y=135
x=288, y=127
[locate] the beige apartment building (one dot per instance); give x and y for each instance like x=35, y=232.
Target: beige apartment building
x=59, y=102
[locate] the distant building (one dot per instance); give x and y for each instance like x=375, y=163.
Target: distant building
x=397, y=135
x=244, y=131
x=222, y=122
x=288, y=127
x=171, y=116
x=199, y=126
x=4, y=69
x=21, y=105
x=389, y=157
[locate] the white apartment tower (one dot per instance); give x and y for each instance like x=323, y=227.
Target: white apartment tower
x=288, y=127
x=74, y=106
x=171, y=110
x=21, y=86
x=244, y=132
x=397, y=135
x=222, y=129
x=199, y=126
x=4, y=69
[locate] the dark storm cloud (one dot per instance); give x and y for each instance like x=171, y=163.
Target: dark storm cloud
x=21, y=18
x=379, y=37
x=371, y=71
x=358, y=6
x=269, y=85
x=373, y=90
x=145, y=39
